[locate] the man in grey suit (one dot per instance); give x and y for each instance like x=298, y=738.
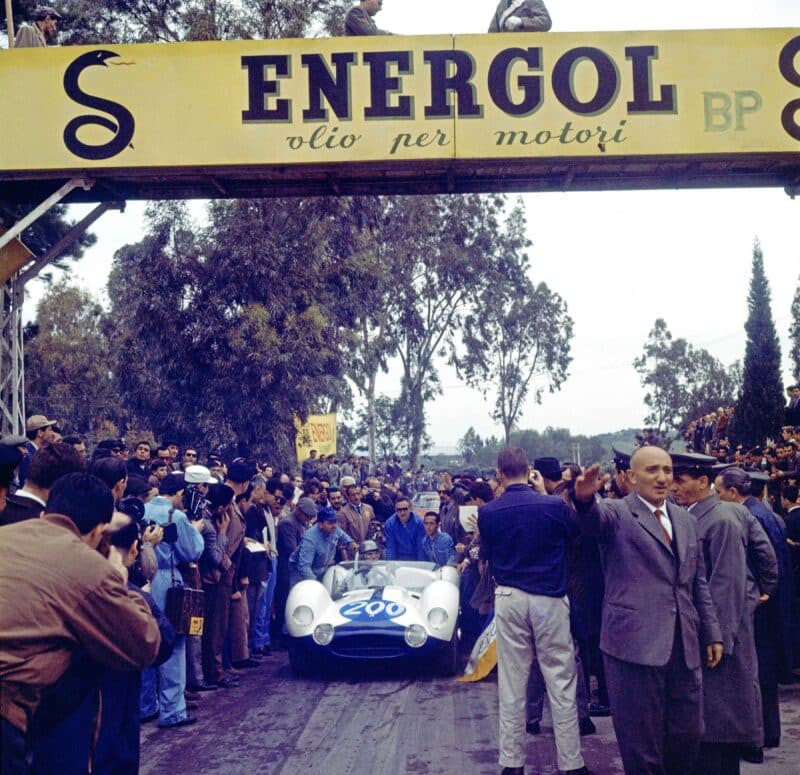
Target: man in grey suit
x=742, y=570
x=657, y=612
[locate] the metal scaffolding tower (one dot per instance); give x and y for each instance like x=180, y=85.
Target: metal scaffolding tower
x=17, y=266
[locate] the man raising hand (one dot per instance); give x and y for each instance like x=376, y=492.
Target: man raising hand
x=656, y=612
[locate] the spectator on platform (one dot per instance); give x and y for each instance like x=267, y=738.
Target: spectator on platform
x=43, y=31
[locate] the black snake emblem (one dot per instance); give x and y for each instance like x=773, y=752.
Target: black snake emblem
x=122, y=127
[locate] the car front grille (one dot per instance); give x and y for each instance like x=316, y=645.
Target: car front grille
x=377, y=646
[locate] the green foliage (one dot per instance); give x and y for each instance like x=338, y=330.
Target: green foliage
x=230, y=326
x=759, y=411
x=147, y=21
x=518, y=335
x=442, y=251
x=683, y=382
x=794, y=335
x=67, y=362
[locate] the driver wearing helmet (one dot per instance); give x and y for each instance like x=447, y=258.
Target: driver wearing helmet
x=370, y=574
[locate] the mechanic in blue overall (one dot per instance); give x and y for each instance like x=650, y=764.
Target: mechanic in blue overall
x=317, y=549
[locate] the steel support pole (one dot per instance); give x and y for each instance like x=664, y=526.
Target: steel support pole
x=40, y=210
x=10, y=24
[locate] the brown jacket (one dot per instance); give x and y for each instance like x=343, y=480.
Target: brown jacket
x=354, y=524
x=56, y=594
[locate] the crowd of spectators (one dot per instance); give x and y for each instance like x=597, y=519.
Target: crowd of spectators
x=243, y=531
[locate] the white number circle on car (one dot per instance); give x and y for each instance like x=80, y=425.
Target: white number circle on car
x=372, y=610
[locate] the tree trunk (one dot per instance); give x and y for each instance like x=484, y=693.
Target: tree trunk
x=371, y=416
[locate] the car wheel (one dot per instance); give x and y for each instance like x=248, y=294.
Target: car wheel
x=299, y=662
x=448, y=659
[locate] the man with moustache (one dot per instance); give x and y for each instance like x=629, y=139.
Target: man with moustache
x=657, y=615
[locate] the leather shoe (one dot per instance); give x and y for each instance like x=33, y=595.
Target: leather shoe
x=187, y=722
x=752, y=754
x=151, y=717
x=227, y=682
x=599, y=711
x=192, y=705
x=512, y=771
x=245, y=664
x=587, y=727
x=201, y=687
x=532, y=728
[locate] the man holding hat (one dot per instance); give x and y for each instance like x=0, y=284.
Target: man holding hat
x=741, y=568
x=318, y=547
x=43, y=29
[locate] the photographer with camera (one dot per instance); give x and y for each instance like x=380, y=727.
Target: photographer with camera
x=182, y=543
x=61, y=597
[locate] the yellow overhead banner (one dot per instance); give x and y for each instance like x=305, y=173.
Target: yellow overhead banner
x=318, y=432
x=323, y=101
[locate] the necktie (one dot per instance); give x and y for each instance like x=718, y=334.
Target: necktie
x=663, y=521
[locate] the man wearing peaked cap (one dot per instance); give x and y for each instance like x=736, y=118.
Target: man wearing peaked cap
x=740, y=567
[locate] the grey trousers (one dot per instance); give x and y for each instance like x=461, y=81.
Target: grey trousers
x=536, y=690
x=535, y=627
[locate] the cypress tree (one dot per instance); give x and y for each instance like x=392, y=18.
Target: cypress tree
x=794, y=335
x=759, y=411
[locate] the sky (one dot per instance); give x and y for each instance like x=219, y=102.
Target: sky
x=619, y=259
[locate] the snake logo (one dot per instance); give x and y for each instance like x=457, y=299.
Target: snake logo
x=122, y=126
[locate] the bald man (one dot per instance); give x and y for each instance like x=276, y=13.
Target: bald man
x=657, y=613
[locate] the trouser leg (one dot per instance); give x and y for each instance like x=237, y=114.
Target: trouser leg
x=581, y=685
x=172, y=684
x=238, y=629
x=218, y=631
x=534, y=695
x=638, y=699
x=684, y=718
x=148, y=697
x=549, y=618
x=514, y=656
x=194, y=667
x=14, y=754
x=771, y=714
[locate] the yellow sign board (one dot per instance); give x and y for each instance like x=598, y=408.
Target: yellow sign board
x=317, y=432
x=216, y=105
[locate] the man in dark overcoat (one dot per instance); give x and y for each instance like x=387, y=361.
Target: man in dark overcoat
x=728, y=535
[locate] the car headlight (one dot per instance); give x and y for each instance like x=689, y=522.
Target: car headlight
x=323, y=634
x=415, y=635
x=302, y=616
x=437, y=618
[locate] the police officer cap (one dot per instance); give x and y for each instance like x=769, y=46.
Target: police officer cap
x=622, y=456
x=692, y=463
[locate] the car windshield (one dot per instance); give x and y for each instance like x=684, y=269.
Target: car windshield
x=426, y=500
x=351, y=576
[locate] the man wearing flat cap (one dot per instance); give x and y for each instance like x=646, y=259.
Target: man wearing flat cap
x=318, y=548
x=39, y=431
x=43, y=30
x=741, y=569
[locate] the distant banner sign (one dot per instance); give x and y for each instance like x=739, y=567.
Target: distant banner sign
x=317, y=432
x=400, y=99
